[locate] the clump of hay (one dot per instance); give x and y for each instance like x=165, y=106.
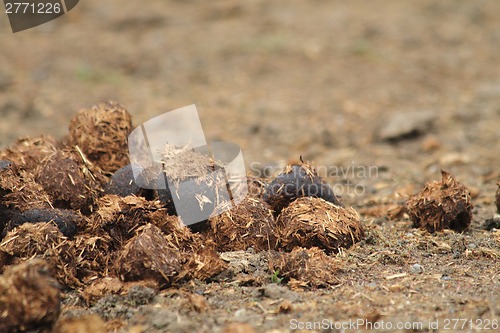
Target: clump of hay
x=27, y=152
x=305, y=267
x=314, y=222
x=68, y=181
x=149, y=255
x=295, y=182
x=249, y=224
x=441, y=205
x=42, y=240
x=29, y=297
x=101, y=132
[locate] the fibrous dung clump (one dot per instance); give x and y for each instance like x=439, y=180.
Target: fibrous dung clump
x=149, y=255
x=67, y=180
x=441, y=205
x=314, y=222
x=68, y=221
x=183, y=162
x=27, y=152
x=248, y=224
x=120, y=217
x=20, y=191
x=101, y=132
x=123, y=184
x=29, y=297
x=44, y=240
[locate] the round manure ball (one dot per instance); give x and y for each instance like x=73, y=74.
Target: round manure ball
x=70, y=186
x=297, y=181
x=441, y=205
x=102, y=134
x=314, y=222
x=248, y=224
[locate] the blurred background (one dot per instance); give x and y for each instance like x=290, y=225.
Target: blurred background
x=407, y=86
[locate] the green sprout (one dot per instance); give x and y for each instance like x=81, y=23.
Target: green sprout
x=275, y=277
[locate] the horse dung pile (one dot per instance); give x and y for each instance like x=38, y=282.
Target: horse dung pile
x=73, y=218
x=71, y=212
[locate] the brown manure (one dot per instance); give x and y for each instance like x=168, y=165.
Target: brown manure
x=27, y=152
x=313, y=222
x=29, y=297
x=248, y=224
x=149, y=255
x=297, y=181
x=19, y=190
x=120, y=217
x=441, y=205
x=203, y=261
x=101, y=132
x=42, y=240
x=68, y=181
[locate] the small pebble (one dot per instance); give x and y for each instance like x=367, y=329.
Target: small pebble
x=240, y=313
x=417, y=269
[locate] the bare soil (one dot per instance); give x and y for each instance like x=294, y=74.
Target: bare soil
x=379, y=96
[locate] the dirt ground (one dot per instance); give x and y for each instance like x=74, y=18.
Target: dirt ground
x=378, y=95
